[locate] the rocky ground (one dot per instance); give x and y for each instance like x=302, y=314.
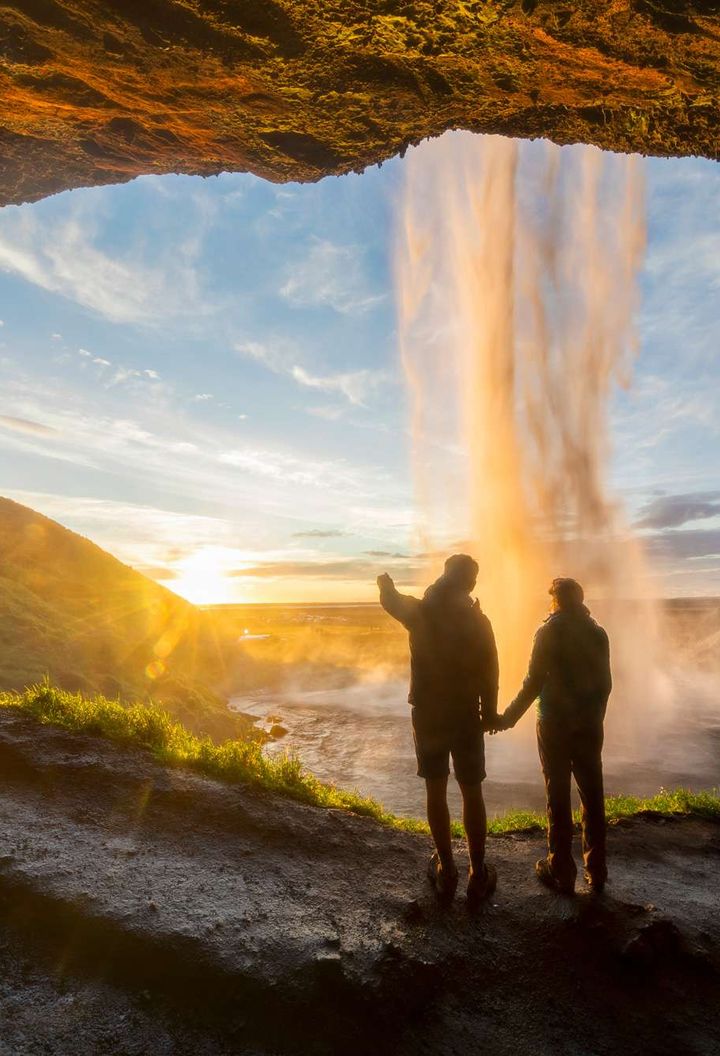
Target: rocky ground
x=94, y=92
x=146, y=910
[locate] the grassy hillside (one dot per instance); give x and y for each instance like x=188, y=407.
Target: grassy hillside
x=71, y=611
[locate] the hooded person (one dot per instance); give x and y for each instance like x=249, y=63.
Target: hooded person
x=569, y=675
x=453, y=696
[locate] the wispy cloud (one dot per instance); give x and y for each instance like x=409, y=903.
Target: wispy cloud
x=672, y=511
x=328, y=414
x=120, y=375
x=351, y=568
x=684, y=262
x=354, y=385
x=330, y=276
x=289, y=468
x=165, y=545
x=690, y=543
x=276, y=357
x=149, y=538
x=161, y=445
x=24, y=425
x=65, y=257
x=320, y=533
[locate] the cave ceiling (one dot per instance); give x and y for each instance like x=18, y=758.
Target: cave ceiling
x=95, y=93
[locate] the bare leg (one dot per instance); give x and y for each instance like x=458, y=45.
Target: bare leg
x=475, y=822
x=438, y=817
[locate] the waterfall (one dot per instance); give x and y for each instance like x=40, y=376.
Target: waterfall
x=517, y=280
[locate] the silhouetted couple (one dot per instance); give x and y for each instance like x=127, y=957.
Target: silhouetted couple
x=453, y=693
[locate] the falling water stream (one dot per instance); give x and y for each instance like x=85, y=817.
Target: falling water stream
x=517, y=275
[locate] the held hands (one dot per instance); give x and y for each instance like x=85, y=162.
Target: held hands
x=498, y=724
x=384, y=580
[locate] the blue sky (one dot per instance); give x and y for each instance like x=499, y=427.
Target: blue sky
x=202, y=376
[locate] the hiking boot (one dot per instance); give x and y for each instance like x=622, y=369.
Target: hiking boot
x=546, y=876
x=481, y=885
x=444, y=881
x=595, y=883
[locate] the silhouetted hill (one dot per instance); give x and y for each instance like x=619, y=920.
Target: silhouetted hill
x=74, y=612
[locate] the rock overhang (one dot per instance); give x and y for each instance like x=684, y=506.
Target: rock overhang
x=292, y=90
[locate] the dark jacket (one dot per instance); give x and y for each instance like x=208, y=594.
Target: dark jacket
x=569, y=670
x=453, y=657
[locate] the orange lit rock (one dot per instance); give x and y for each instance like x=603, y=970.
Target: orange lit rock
x=99, y=92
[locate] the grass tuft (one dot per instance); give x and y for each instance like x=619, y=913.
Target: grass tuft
x=151, y=727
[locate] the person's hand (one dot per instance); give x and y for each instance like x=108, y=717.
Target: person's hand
x=498, y=724
x=385, y=580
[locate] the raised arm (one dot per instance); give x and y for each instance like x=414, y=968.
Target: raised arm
x=534, y=680
x=402, y=607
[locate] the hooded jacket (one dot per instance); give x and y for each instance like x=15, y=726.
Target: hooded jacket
x=569, y=671
x=453, y=657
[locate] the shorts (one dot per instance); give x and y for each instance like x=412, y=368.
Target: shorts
x=437, y=737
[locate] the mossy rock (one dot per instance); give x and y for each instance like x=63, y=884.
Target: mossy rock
x=297, y=89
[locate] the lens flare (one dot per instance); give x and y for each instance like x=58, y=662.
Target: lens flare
x=155, y=669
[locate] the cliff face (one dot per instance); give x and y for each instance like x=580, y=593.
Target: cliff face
x=96, y=92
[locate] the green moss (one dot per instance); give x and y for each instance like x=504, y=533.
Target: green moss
x=152, y=728
x=667, y=803
x=677, y=802
x=430, y=65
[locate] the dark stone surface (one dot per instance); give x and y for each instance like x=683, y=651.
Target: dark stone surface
x=184, y=915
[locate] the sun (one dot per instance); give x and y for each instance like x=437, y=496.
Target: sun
x=202, y=578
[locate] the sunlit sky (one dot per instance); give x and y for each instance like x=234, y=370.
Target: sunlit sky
x=202, y=376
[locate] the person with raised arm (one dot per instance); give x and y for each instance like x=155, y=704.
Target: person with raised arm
x=453, y=695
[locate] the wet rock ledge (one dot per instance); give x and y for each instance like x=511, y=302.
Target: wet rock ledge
x=182, y=915
x=99, y=92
